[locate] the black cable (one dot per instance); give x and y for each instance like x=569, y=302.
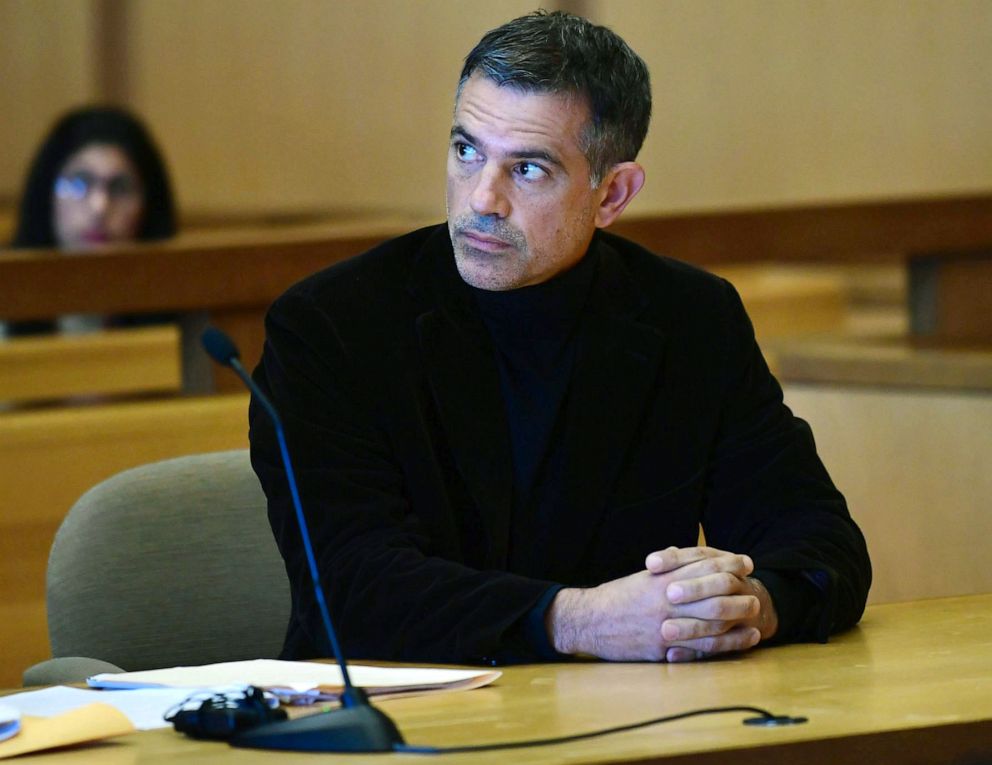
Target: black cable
x=765, y=718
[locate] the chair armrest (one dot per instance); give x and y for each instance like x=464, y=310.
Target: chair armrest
x=66, y=669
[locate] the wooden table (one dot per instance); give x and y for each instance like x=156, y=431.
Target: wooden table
x=912, y=684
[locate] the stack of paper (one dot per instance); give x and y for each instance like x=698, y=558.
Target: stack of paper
x=301, y=681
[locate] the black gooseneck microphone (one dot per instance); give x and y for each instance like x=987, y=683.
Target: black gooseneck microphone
x=357, y=726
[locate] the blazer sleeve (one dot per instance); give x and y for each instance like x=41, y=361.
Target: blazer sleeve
x=391, y=592
x=769, y=495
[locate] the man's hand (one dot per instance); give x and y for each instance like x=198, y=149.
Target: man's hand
x=711, y=613
x=687, y=603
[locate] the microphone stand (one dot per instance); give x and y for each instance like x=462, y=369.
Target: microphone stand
x=357, y=726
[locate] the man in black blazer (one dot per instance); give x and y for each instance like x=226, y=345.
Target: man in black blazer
x=508, y=430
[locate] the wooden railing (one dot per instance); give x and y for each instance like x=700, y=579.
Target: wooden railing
x=849, y=232
x=230, y=278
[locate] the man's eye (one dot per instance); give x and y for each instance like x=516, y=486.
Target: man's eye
x=465, y=152
x=530, y=171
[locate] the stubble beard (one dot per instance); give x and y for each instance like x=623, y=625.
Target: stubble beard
x=489, y=270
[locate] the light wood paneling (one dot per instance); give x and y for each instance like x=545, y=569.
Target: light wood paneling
x=49, y=367
x=49, y=458
x=766, y=102
x=46, y=66
x=916, y=469
x=306, y=104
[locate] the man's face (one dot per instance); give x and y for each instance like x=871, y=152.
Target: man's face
x=520, y=205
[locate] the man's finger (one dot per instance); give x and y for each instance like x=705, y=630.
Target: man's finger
x=740, y=565
x=680, y=655
x=717, y=619
x=737, y=639
x=671, y=558
x=673, y=630
x=729, y=609
x=728, y=580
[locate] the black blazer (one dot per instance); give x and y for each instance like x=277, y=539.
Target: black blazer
x=386, y=378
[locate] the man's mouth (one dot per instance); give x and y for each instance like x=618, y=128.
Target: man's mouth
x=484, y=242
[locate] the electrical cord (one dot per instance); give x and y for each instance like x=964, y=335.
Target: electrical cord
x=765, y=718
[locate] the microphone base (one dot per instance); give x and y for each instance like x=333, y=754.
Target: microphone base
x=354, y=729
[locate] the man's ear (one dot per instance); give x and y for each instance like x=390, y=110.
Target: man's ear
x=621, y=185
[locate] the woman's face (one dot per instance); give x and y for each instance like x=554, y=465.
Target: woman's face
x=98, y=198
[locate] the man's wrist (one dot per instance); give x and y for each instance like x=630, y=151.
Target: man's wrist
x=562, y=620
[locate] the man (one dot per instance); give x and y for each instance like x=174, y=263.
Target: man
x=508, y=430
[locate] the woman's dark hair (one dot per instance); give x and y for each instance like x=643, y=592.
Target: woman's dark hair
x=74, y=131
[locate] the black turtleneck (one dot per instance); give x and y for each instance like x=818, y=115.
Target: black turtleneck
x=533, y=332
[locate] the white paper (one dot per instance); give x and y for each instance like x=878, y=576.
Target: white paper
x=298, y=677
x=144, y=707
x=10, y=722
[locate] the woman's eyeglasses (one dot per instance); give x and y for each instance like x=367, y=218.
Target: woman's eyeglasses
x=80, y=185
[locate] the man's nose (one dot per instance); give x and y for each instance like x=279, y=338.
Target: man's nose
x=489, y=195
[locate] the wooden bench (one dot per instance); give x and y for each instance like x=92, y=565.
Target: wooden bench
x=118, y=361
x=49, y=458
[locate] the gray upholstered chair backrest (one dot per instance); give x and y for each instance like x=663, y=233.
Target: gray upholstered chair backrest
x=168, y=564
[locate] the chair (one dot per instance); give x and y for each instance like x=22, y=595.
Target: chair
x=171, y=563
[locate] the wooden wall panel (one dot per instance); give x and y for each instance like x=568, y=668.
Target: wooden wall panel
x=46, y=66
x=916, y=469
x=303, y=104
x=767, y=102
x=307, y=104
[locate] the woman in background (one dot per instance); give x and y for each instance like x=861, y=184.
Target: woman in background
x=97, y=179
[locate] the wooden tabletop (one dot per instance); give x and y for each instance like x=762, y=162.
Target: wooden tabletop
x=913, y=683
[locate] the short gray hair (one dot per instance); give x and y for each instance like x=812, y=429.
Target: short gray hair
x=564, y=54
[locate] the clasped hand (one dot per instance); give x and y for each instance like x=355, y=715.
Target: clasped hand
x=688, y=603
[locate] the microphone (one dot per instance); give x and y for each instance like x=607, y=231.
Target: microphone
x=357, y=726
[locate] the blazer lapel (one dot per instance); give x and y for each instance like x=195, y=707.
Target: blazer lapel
x=464, y=381
x=616, y=373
